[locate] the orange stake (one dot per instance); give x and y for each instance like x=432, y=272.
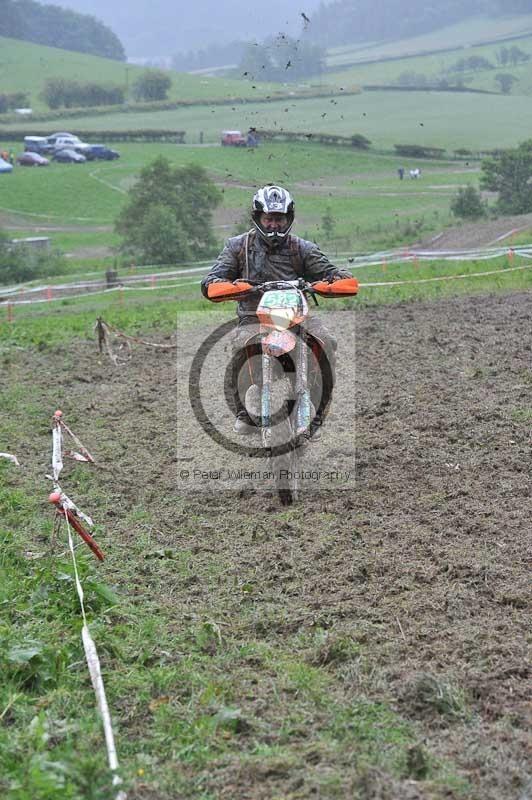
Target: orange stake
x=55, y=499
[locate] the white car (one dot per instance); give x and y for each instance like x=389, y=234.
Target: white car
x=62, y=135
x=68, y=143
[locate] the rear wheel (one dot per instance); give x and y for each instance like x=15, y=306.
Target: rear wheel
x=285, y=454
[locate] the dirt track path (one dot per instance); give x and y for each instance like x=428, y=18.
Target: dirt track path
x=477, y=234
x=422, y=557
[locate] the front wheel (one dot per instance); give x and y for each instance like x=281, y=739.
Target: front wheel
x=285, y=458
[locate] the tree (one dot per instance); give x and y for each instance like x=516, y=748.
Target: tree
x=509, y=173
x=468, y=203
x=58, y=27
x=517, y=56
x=152, y=84
x=59, y=92
x=14, y=100
x=502, y=56
x=328, y=224
x=505, y=80
x=161, y=236
x=168, y=216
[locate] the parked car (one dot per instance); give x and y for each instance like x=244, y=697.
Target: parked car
x=233, y=139
x=37, y=144
x=103, y=152
x=30, y=159
x=53, y=137
x=68, y=156
x=68, y=143
x=62, y=133
x=5, y=166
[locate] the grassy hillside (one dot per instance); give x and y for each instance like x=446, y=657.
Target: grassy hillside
x=25, y=67
x=439, y=119
x=437, y=66
x=466, y=34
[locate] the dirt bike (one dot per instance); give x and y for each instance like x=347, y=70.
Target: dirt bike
x=286, y=364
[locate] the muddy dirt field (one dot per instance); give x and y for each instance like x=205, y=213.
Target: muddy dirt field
x=421, y=553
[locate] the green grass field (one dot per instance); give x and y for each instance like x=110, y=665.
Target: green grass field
x=463, y=35
x=25, y=67
x=438, y=119
x=436, y=66
x=76, y=205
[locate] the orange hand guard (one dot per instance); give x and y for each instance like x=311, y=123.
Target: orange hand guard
x=343, y=287
x=225, y=290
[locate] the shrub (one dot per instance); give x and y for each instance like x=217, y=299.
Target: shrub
x=19, y=263
x=468, y=203
x=505, y=80
x=418, y=151
x=62, y=92
x=10, y=101
x=509, y=173
x=153, y=84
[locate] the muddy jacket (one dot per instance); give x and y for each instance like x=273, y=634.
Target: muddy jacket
x=248, y=256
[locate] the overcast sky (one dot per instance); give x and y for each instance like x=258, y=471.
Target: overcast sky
x=155, y=28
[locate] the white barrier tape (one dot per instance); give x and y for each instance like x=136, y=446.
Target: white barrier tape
x=197, y=283
x=88, y=295
x=57, y=452
x=446, y=277
x=9, y=457
x=85, y=455
x=85, y=284
x=66, y=502
x=397, y=260
x=110, y=329
x=356, y=262
x=93, y=663
x=434, y=256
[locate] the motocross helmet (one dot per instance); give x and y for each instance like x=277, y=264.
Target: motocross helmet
x=272, y=199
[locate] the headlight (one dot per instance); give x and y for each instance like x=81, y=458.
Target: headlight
x=282, y=318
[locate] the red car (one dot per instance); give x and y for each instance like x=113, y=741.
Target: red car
x=233, y=139
x=29, y=159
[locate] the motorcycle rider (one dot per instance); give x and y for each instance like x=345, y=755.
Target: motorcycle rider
x=268, y=252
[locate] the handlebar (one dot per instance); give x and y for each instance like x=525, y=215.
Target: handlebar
x=218, y=291
x=266, y=286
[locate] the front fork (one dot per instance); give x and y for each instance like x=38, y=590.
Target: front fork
x=302, y=400
x=265, y=399
x=303, y=409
